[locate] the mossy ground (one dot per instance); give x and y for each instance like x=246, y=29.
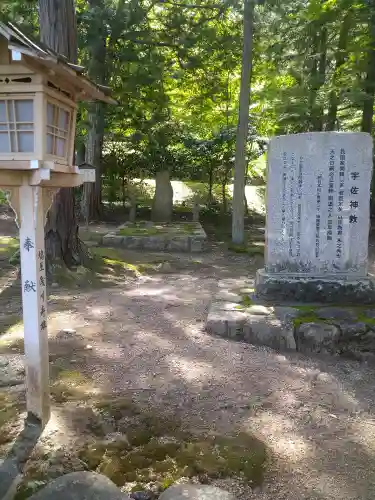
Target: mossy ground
x=107, y=267
x=8, y=246
x=310, y=314
x=249, y=248
x=157, y=448
x=146, y=445
x=173, y=229
x=11, y=407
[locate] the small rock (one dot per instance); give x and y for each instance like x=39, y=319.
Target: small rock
x=259, y=310
x=166, y=267
x=370, y=313
x=142, y=495
x=336, y=313
x=316, y=337
x=89, y=347
x=195, y=492
x=80, y=486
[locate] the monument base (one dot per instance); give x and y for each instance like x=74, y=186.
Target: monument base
x=330, y=289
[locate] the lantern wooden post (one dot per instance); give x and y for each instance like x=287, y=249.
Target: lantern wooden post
x=39, y=91
x=34, y=300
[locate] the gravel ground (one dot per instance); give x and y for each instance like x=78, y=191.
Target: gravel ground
x=315, y=415
x=147, y=339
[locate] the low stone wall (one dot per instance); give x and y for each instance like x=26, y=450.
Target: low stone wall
x=181, y=237
x=335, y=330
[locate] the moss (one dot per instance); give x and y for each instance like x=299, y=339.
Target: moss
x=70, y=385
x=247, y=301
x=140, y=231
x=173, y=229
x=306, y=318
x=10, y=409
x=29, y=488
x=156, y=448
x=247, y=248
x=365, y=319
x=8, y=246
x=14, y=346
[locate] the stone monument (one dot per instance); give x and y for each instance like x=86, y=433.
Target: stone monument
x=318, y=219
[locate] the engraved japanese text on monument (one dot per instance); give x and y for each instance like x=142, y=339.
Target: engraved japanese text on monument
x=318, y=204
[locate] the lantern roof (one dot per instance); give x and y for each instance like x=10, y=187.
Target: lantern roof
x=39, y=55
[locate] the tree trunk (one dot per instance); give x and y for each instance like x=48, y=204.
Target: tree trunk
x=339, y=61
x=97, y=38
x=238, y=206
x=162, y=206
x=317, y=75
x=58, y=30
x=224, y=196
x=210, y=184
x=369, y=88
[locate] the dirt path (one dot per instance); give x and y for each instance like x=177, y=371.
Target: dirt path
x=147, y=340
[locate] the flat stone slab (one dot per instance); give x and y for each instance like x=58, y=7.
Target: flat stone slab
x=236, y=313
x=171, y=237
x=80, y=486
x=334, y=290
x=195, y=492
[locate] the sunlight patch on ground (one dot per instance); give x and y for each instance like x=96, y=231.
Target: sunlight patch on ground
x=188, y=370
x=363, y=433
x=279, y=433
x=182, y=192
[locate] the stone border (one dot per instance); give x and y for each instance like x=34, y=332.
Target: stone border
x=188, y=242
x=309, y=289
x=236, y=314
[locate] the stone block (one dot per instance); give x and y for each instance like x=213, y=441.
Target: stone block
x=269, y=331
x=133, y=242
x=317, y=338
x=336, y=313
x=112, y=239
x=259, y=310
x=196, y=244
x=178, y=244
x=278, y=288
x=156, y=243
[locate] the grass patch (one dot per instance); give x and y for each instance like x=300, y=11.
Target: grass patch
x=156, y=448
x=9, y=248
x=70, y=385
x=247, y=248
x=14, y=346
x=10, y=408
x=139, y=229
x=107, y=267
x=245, y=302
x=130, y=443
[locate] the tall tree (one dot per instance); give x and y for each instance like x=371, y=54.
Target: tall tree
x=243, y=125
x=97, y=51
x=58, y=30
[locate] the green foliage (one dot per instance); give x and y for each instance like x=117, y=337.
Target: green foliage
x=175, y=67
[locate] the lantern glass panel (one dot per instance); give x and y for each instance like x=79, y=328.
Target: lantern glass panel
x=17, y=126
x=58, y=122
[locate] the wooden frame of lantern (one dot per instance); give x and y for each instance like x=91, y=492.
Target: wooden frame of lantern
x=39, y=91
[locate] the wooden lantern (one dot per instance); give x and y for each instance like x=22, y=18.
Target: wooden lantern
x=39, y=91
